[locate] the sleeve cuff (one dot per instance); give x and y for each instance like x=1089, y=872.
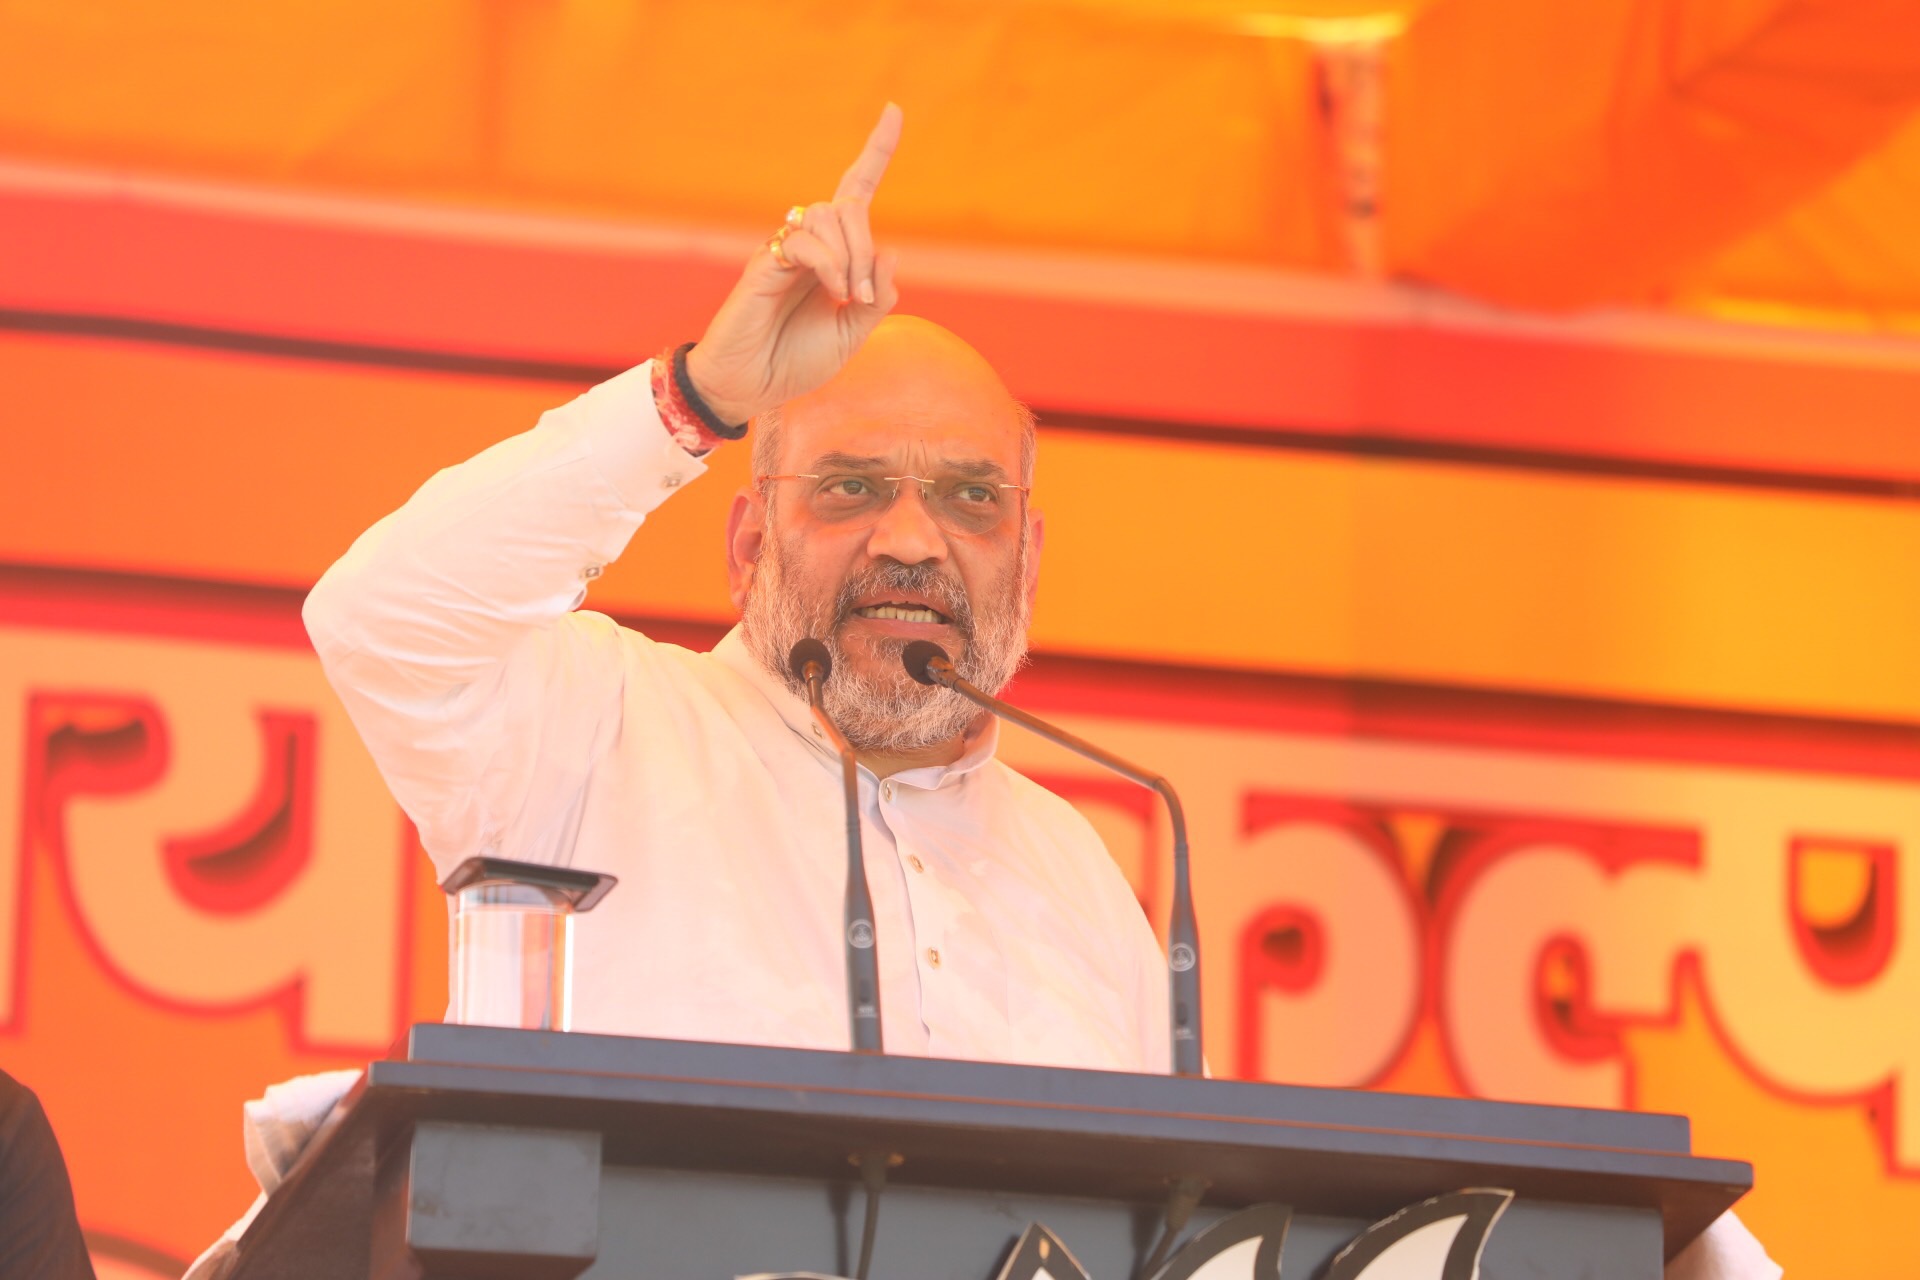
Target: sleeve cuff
x=630, y=445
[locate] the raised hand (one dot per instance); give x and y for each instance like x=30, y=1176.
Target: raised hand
x=806, y=300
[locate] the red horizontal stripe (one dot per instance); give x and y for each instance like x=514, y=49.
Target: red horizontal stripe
x=1438, y=386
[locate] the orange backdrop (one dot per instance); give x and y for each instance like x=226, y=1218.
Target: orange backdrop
x=1541, y=682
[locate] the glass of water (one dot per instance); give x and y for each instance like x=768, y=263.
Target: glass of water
x=512, y=941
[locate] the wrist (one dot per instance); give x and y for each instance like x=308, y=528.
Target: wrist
x=681, y=422
x=724, y=417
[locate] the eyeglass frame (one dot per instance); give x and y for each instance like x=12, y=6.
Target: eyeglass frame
x=1025, y=490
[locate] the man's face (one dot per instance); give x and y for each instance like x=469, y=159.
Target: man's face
x=868, y=574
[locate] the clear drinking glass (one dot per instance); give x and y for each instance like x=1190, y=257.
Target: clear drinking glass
x=512, y=941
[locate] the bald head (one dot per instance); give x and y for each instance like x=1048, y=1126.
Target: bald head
x=911, y=375
x=913, y=341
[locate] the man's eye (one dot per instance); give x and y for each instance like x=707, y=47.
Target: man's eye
x=976, y=494
x=846, y=487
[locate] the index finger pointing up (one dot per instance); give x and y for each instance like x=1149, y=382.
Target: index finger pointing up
x=862, y=178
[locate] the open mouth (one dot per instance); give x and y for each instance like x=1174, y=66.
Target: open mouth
x=901, y=611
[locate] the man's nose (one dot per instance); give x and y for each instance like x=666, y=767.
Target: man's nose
x=906, y=531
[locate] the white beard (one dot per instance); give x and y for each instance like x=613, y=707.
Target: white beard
x=876, y=704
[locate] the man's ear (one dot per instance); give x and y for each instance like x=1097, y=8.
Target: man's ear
x=746, y=534
x=1036, y=538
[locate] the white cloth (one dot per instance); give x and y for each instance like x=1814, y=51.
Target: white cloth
x=1726, y=1250
x=276, y=1128
x=508, y=725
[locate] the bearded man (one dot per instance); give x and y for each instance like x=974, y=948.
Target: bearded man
x=889, y=503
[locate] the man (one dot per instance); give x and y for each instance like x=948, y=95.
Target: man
x=889, y=502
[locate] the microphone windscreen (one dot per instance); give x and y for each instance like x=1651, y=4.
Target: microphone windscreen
x=917, y=656
x=806, y=652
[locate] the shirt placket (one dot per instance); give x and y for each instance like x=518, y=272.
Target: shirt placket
x=926, y=905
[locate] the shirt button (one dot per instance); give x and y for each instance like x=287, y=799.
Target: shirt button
x=913, y=860
x=933, y=956
x=670, y=481
x=886, y=790
x=592, y=571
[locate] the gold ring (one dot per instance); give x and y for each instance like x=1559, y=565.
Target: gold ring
x=774, y=247
x=797, y=217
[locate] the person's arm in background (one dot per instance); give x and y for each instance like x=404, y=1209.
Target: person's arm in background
x=39, y=1232
x=448, y=629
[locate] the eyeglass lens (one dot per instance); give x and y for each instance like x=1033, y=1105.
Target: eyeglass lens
x=959, y=506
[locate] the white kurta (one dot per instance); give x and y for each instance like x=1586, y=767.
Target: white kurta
x=507, y=724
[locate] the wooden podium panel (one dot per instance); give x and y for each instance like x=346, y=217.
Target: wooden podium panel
x=478, y=1152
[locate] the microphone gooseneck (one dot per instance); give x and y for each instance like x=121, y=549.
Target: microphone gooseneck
x=928, y=663
x=811, y=663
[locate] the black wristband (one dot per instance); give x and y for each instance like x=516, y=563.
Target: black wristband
x=708, y=418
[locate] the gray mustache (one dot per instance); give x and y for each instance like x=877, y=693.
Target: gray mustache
x=946, y=594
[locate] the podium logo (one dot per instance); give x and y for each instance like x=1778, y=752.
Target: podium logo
x=1437, y=1239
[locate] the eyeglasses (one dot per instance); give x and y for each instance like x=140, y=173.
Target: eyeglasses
x=855, y=499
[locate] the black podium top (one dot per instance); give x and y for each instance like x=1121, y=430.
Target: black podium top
x=745, y=1108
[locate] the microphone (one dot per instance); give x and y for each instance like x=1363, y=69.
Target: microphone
x=812, y=664
x=928, y=663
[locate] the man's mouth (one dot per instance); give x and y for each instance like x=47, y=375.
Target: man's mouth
x=901, y=612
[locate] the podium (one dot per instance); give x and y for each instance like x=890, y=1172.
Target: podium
x=479, y=1152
